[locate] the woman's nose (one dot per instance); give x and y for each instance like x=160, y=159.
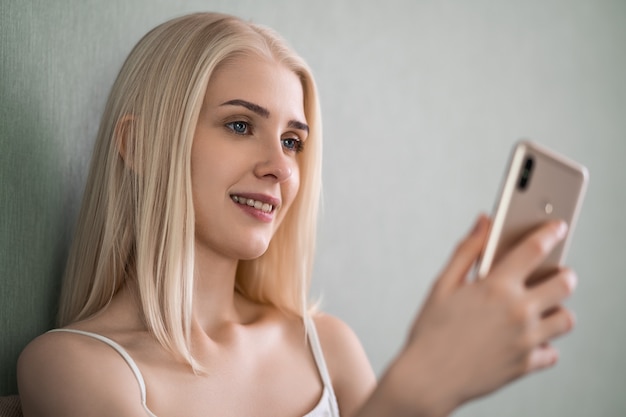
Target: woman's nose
x=274, y=164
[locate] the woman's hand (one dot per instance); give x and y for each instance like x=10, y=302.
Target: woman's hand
x=471, y=338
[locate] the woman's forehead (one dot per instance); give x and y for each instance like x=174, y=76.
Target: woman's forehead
x=260, y=80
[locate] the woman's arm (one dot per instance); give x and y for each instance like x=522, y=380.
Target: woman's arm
x=351, y=373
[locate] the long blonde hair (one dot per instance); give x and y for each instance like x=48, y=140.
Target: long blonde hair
x=137, y=220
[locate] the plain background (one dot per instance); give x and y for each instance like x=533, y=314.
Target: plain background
x=422, y=101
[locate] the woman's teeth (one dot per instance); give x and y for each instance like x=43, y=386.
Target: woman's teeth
x=259, y=205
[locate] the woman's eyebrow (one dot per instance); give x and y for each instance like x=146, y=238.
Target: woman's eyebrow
x=298, y=125
x=261, y=111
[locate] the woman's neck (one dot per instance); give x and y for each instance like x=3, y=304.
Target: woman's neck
x=215, y=302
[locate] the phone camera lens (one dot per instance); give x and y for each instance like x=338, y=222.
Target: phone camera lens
x=526, y=173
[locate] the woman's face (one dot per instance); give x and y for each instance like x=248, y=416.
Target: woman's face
x=244, y=167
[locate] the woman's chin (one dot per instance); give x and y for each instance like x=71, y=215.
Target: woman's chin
x=251, y=248
x=236, y=249
x=253, y=252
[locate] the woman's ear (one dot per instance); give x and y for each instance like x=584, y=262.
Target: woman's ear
x=124, y=129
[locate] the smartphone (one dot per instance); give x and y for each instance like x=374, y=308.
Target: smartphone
x=539, y=185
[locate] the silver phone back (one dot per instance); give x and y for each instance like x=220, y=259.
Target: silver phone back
x=554, y=189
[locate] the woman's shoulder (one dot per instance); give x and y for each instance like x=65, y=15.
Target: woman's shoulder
x=340, y=343
x=63, y=373
x=349, y=368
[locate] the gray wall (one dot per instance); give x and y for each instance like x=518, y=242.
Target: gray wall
x=422, y=102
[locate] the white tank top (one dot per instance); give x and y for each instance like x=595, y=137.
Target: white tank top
x=326, y=407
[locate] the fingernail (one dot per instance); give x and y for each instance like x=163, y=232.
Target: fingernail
x=572, y=280
x=561, y=230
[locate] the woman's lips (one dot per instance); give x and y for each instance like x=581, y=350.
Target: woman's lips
x=260, y=206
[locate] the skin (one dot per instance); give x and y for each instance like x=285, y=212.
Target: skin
x=472, y=338
x=256, y=361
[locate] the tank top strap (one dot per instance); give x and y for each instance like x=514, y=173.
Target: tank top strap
x=318, y=355
x=122, y=352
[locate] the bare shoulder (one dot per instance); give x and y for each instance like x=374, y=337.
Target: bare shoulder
x=337, y=338
x=348, y=365
x=68, y=374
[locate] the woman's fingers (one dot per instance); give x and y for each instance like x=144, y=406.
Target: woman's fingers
x=551, y=292
x=553, y=320
x=542, y=357
x=524, y=258
x=558, y=323
x=465, y=254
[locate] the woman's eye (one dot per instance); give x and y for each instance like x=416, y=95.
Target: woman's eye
x=240, y=128
x=293, y=144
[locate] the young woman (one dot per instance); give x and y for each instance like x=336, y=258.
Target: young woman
x=186, y=286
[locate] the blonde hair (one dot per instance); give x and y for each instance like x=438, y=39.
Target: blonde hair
x=137, y=220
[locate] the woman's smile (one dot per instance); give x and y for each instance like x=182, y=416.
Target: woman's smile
x=261, y=207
